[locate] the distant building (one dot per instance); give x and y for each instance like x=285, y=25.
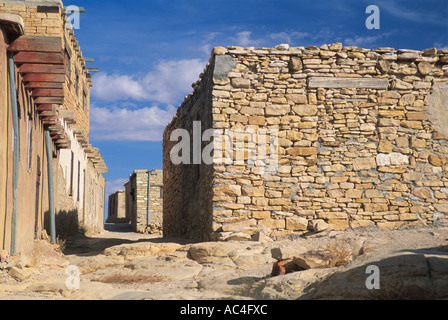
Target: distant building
x=132, y=206
x=145, y=216
x=117, y=208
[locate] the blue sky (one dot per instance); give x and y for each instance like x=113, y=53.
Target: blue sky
x=150, y=52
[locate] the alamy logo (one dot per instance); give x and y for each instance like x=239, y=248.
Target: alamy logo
x=73, y=20
x=373, y=281
x=373, y=21
x=73, y=281
x=250, y=147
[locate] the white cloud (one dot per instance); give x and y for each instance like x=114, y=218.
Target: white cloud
x=244, y=39
x=122, y=124
x=365, y=41
x=168, y=83
x=115, y=185
x=288, y=37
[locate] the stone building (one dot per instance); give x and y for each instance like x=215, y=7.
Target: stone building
x=145, y=216
x=360, y=137
x=60, y=177
x=117, y=208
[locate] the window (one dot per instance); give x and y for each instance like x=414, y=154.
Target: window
x=84, y=101
x=76, y=82
x=161, y=193
x=68, y=65
x=71, y=174
x=79, y=180
x=29, y=143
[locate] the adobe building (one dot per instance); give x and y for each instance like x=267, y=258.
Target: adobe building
x=51, y=177
x=145, y=216
x=117, y=208
x=360, y=136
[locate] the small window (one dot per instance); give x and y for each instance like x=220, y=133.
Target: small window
x=29, y=143
x=84, y=101
x=72, y=173
x=68, y=66
x=79, y=181
x=76, y=82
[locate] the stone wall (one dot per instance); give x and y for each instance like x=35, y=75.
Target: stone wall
x=187, y=201
x=117, y=208
x=137, y=201
x=362, y=141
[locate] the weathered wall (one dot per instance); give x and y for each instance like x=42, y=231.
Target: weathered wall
x=187, y=202
x=32, y=191
x=156, y=200
x=117, y=208
x=137, y=200
x=362, y=140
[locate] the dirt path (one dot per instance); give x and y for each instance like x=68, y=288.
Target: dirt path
x=119, y=264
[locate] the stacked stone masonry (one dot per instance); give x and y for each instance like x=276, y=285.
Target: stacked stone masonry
x=362, y=138
x=145, y=217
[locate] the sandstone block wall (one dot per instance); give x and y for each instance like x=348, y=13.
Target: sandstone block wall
x=137, y=200
x=362, y=141
x=117, y=208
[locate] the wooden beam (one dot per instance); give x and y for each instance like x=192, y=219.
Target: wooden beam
x=358, y=83
x=48, y=93
x=42, y=68
x=45, y=107
x=39, y=57
x=44, y=77
x=48, y=100
x=36, y=44
x=47, y=114
x=47, y=85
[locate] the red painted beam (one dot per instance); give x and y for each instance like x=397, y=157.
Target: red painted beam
x=47, y=85
x=39, y=57
x=48, y=100
x=36, y=44
x=44, y=107
x=48, y=93
x=42, y=68
x=44, y=77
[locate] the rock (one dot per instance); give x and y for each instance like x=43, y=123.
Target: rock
x=285, y=252
x=283, y=46
x=311, y=261
x=213, y=252
x=295, y=64
x=137, y=250
x=19, y=274
x=403, y=276
x=241, y=83
x=383, y=66
x=20, y=263
x=262, y=236
x=296, y=223
x=3, y=256
x=424, y=68
x=291, y=286
x=319, y=226
x=163, y=269
x=360, y=164
x=219, y=51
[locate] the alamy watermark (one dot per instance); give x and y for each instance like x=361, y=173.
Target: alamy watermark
x=73, y=281
x=373, y=281
x=373, y=20
x=73, y=20
x=249, y=147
